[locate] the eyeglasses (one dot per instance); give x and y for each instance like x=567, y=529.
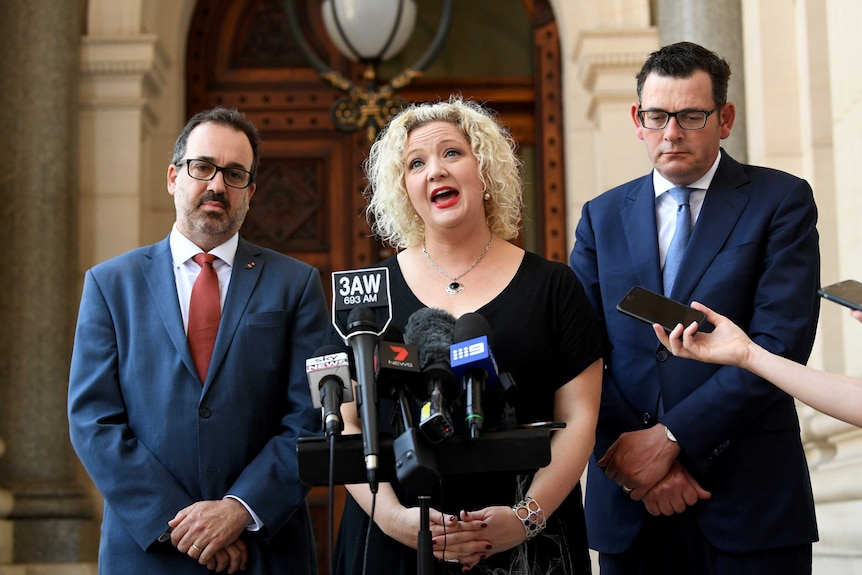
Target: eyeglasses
x=685, y=119
x=206, y=171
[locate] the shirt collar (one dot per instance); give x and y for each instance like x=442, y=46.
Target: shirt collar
x=661, y=185
x=183, y=249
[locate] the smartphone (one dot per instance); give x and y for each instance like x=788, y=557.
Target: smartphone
x=650, y=307
x=847, y=293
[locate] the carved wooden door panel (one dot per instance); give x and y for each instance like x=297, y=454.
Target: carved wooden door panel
x=308, y=202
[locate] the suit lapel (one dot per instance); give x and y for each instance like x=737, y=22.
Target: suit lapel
x=723, y=206
x=639, y=227
x=247, y=267
x=157, y=268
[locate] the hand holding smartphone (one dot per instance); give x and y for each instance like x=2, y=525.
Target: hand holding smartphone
x=650, y=307
x=847, y=293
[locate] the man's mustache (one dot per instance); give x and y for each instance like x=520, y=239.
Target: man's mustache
x=213, y=197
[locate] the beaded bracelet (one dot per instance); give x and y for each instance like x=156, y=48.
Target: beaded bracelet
x=531, y=515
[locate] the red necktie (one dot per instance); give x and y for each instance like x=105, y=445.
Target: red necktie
x=204, y=314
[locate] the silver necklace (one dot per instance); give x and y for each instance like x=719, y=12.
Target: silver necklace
x=455, y=287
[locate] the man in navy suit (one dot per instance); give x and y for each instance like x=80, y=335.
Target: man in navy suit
x=698, y=468
x=198, y=466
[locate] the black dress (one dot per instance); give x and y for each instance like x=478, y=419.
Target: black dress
x=544, y=334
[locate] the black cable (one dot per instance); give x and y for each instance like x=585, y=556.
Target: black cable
x=368, y=533
x=331, y=502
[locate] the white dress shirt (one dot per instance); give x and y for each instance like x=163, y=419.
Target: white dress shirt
x=666, y=207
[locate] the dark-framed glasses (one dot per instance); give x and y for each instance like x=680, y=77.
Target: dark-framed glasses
x=686, y=119
x=206, y=171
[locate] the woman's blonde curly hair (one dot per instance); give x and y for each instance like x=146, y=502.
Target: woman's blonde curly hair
x=390, y=212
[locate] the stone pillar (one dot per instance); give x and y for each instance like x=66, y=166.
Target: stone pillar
x=6, y=502
x=607, y=63
x=39, y=59
x=716, y=25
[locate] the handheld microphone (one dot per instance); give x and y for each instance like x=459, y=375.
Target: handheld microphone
x=362, y=338
x=368, y=288
x=431, y=330
x=329, y=382
x=474, y=364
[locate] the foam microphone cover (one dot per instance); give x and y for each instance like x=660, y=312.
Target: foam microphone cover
x=432, y=331
x=472, y=325
x=361, y=317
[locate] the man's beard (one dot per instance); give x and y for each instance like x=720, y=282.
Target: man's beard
x=215, y=223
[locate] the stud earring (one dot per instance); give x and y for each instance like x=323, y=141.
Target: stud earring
x=487, y=196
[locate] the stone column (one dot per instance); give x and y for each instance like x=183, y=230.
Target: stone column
x=6, y=502
x=39, y=60
x=716, y=25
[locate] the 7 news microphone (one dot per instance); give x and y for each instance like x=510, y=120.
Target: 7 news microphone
x=362, y=339
x=431, y=331
x=474, y=365
x=329, y=382
x=396, y=367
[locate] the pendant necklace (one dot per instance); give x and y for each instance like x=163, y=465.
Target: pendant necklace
x=456, y=287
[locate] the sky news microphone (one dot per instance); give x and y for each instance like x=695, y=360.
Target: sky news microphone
x=362, y=338
x=329, y=382
x=431, y=331
x=473, y=363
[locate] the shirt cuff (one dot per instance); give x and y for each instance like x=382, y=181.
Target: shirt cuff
x=256, y=524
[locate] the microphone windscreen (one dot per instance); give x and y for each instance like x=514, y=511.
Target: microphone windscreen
x=361, y=317
x=470, y=326
x=431, y=330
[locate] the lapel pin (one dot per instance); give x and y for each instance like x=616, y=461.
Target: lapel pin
x=249, y=265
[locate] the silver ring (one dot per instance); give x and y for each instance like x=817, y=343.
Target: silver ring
x=627, y=489
x=199, y=550
x=452, y=561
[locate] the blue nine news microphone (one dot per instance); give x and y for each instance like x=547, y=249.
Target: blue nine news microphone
x=474, y=366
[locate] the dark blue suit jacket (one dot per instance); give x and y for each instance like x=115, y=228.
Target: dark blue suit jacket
x=156, y=439
x=754, y=257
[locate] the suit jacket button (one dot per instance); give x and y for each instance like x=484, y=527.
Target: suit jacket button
x=661, y=355
x=204, y=412
x=647, y=418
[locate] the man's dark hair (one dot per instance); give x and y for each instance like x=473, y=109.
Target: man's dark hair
x=682, y=60
x=219, y=115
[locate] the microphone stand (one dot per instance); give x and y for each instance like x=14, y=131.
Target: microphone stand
x=416, y=469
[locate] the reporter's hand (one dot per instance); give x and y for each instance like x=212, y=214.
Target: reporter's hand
x=726, y=344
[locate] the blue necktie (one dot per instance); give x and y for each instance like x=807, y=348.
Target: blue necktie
x=680, y=237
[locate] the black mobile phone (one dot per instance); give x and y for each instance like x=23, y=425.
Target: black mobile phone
x=650, y=307
x=847, y=293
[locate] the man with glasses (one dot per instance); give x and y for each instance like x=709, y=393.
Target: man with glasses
x=187, y=389
x=699, y=468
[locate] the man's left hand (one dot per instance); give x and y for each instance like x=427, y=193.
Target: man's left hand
x=639, y=459
x=205, y=527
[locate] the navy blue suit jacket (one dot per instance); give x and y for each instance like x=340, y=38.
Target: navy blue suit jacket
x=754, y=257
x=155, y=439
